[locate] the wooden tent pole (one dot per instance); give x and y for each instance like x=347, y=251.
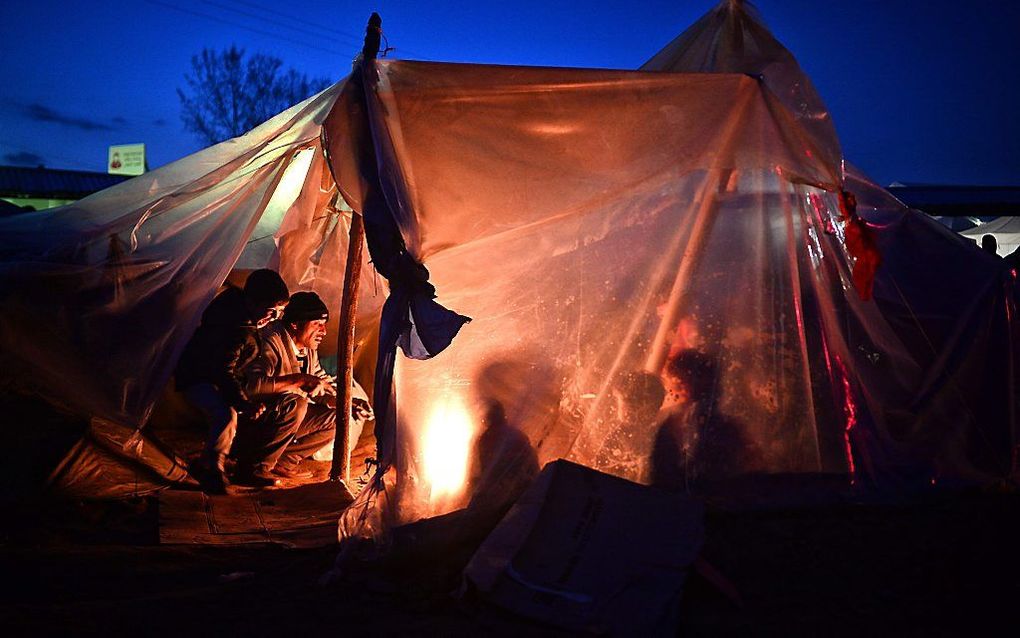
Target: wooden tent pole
x=341, y=468
x=704, y=220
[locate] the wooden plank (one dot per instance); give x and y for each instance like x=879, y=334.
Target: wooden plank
x=303, y=516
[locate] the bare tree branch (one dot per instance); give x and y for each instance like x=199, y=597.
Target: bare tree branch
x=227, y=95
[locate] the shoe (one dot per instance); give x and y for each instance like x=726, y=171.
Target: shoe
x=214, y=482
x=210, y=478
x=292, y=472
x=255, y=478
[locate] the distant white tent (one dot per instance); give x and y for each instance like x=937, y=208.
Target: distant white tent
x=1006, y=231
x=958, y=224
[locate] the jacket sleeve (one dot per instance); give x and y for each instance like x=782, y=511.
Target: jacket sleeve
x=260, y=377
x=229, y=373
x=315, y=368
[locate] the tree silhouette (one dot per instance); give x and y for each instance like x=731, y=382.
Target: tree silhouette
x=228, y=95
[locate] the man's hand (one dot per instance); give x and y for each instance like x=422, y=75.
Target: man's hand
x=299, y=383
x=361, y=409
x=323, y=388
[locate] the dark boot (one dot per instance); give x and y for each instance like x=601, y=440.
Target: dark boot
x=292, y=472
x=211, y=477
x=255, y=477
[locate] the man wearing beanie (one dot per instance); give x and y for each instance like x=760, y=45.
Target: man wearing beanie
x=210, y=370
x=300, y=397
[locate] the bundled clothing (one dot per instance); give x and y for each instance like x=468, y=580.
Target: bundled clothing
x=210, y=370
x=225, y=343
x=295, y=425
x=279, y=357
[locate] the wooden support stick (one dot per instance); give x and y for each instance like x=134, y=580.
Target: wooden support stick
x=704, y=220
x=341, y=468
x=342, y=444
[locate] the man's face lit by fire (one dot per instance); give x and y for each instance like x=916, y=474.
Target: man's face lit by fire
x=309, y=334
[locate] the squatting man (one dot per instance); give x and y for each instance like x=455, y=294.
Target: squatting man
x=210, y=369
x=299, y=398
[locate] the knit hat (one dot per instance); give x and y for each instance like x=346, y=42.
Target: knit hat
x=305, y=306
x=264, y=288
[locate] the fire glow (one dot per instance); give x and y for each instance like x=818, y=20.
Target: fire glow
x=446, y=446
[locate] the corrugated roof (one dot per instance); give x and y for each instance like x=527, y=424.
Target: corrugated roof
x=53, y=183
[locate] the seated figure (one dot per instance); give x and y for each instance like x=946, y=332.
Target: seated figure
x=697, y=444
x=211, y=368
x=300, y=398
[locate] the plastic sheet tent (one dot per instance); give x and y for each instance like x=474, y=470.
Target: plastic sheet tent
x=655, y=268
x=101, y=296
x=720, y=278
x=580, y=217
x=654, y=264
x=951, y=306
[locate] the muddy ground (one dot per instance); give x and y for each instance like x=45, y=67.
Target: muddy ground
x=948, y=565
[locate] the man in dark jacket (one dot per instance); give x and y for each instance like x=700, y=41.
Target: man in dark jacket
x=210, y=370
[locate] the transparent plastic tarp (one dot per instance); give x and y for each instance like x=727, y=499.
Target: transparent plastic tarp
x=659, y=285
x=655, y=264
x=950, y=304
x=731, y=38
x=99, y=297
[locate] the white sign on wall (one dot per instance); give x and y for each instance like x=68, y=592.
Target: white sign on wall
x=126, y=159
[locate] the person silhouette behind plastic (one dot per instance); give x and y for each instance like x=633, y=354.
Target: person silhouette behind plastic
x=697, y=444
x=989, y=245
x=505, y=462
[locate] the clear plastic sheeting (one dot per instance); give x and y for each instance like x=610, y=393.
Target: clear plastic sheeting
x=731, y=38
x=111, y=287
x=656, y=267
x=660, y=289
x=99, y=297
x=541, y=142
x=950, y=305
x=95, y=467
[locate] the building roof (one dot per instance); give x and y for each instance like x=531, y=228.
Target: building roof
x=954, y=201
x=53, y=183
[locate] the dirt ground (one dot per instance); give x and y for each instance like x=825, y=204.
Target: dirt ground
x=947, y=566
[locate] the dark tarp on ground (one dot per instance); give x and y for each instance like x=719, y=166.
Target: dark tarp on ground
x=590, y=552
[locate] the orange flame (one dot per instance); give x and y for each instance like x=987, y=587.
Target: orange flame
x=446, y=446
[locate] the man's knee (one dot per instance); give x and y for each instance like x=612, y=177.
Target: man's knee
x=291, y=409
x=320, y=417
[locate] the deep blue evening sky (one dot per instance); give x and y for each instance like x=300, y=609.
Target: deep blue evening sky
x=920, y=91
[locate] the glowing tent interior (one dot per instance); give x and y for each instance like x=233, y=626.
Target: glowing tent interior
x=656, y=267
